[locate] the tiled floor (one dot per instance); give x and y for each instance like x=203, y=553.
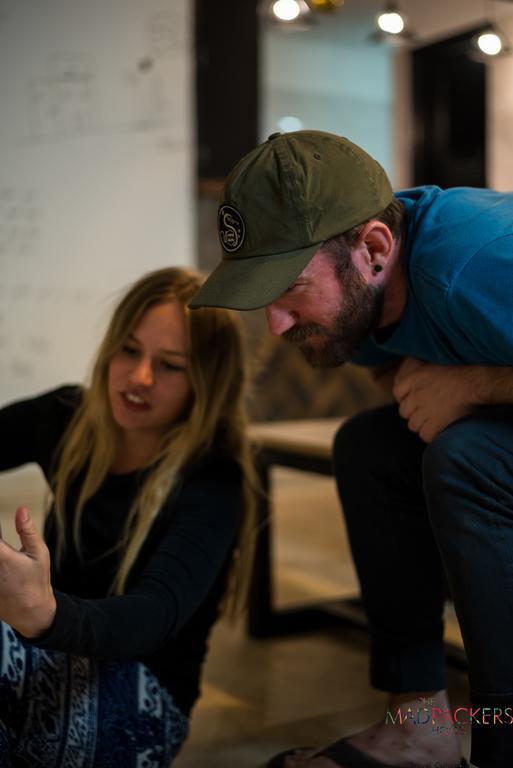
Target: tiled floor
x=262, y=696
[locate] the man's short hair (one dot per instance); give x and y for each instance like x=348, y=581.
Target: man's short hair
x=339, y=247
x=392, y=216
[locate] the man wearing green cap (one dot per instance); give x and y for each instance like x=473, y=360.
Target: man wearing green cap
x=419, y=283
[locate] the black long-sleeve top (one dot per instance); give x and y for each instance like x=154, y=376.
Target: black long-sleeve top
x=175, y=586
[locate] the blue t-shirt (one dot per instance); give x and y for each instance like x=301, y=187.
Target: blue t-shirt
x=458, y=257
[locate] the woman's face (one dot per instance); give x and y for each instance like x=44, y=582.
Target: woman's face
x=148, y=377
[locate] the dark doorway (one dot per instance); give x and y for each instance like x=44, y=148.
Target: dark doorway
x=450, y=114
x=226, y=39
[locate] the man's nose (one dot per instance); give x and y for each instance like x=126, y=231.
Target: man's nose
x=142, y=373
x=279, y=319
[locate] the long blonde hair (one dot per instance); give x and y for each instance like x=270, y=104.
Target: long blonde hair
x=216, y=414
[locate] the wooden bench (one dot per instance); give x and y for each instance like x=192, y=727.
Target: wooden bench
x=304, y=445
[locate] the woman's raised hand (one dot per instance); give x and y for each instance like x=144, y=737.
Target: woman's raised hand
x=27, y=602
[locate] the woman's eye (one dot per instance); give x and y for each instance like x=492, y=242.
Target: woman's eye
x=127, y=349
x=170, y=366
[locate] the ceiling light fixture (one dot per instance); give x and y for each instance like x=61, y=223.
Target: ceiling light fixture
x=391, y=26
x=288, y=12
x=297, y=14
x=491, y=41
x=390, y=21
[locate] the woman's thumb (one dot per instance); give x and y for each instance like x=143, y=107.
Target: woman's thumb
x=27, y=531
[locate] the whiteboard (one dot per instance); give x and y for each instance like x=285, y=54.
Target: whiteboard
x=98, y=167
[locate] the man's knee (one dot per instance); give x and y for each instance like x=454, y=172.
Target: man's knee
x=468, y=462
x=361, y=437
x=349, y=439
x=447, y=454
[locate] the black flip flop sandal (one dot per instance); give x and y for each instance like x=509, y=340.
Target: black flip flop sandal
x=342, y=754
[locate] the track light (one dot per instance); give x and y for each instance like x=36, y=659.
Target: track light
x=288, y=11
x=391, y=26
x=390, y=21
x=297, y=14
x=490, y=42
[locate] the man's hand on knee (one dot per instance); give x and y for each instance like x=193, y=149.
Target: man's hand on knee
x=432, y=396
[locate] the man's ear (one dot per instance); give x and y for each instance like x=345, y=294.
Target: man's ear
x=373, y=248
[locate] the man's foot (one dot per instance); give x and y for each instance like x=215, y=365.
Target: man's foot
x=386, y=751
x=401, y=742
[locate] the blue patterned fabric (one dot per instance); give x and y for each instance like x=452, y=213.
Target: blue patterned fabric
x=63, y=711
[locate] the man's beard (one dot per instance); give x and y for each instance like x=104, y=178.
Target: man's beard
x=358, y=317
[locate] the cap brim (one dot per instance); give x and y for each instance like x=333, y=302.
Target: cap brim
x=254, y=282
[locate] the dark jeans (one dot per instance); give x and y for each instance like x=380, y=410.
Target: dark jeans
x=413, y=511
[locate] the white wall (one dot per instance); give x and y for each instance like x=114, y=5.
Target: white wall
x=343, y=86
x=435, y=21
x=97, y=169
x=500, y=117
x=333, y=78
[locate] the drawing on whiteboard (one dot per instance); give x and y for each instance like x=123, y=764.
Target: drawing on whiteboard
x=37, y=345
x=20, y=291
x=80, y=296
x=21, y=369
x=166, y=33
x=146, y=100
x=20, y=217
x=46, y=291
x=63, y=102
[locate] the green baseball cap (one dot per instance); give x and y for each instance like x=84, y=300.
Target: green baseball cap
x=277, y=207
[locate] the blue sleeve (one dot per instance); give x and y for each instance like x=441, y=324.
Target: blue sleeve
x=480, y=302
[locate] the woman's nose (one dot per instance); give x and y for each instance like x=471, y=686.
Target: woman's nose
x=142, y=373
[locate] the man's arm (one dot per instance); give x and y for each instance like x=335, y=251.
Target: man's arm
x=432, y=396
x=493, y=386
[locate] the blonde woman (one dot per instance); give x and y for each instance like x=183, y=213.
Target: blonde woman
x=104, y=623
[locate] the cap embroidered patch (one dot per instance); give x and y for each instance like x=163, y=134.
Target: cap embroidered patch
x=231, y=228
